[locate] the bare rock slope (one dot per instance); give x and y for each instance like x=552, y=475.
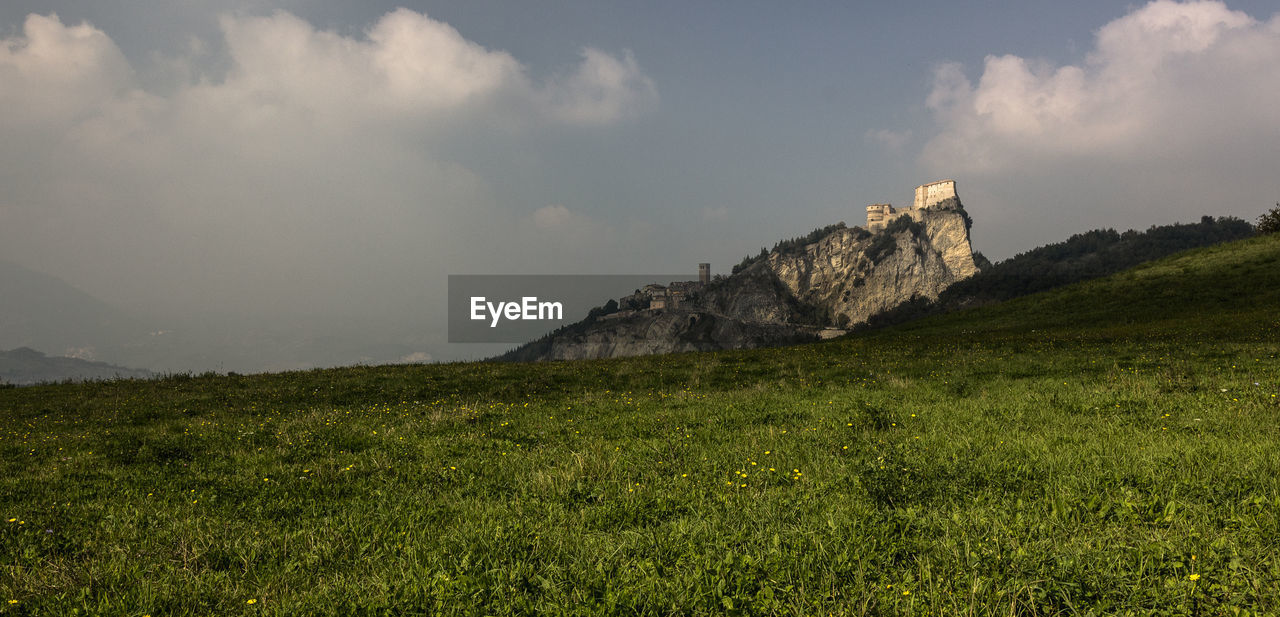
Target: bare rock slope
x=853, y=275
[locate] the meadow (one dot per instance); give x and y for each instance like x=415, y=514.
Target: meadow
x=1108, y=448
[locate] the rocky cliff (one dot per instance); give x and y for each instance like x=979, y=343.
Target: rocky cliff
x=852, y=275
x=796, y=293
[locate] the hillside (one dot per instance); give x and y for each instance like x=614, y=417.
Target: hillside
x=1223, y=292
x=1081, y=257
x=1109, y=447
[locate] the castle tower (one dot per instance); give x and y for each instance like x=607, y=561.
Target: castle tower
x=704, y=273
x=878, y=216
x=934, y=193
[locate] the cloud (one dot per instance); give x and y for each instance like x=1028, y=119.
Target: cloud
x=1169, y=117
x=407, y=63
x=410, y=65
x=57, y=74
x=602, y=90
x=289, y=172
x=406, y=70
x=1167, y=79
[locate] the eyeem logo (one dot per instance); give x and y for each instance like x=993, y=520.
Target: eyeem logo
x=528, y=308
x=519, y=308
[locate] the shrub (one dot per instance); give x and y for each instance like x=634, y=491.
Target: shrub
x=886, y=241
x=882, y=247
x=792, y=246
x=1269, y=223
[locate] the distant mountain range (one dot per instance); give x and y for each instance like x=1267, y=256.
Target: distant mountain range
x=25, y=366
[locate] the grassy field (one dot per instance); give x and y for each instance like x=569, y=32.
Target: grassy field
x=1108, y=448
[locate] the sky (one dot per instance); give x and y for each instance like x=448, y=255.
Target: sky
x=322, y=167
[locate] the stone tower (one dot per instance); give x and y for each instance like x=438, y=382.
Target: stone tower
x=704, y=273
x=878, y=215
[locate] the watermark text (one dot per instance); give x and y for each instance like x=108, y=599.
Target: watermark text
x=528, y=308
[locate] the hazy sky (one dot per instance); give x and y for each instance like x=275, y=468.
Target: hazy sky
x=330, y=163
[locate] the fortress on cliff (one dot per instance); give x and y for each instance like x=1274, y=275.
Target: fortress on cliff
x=940, y=195
x=929, y=195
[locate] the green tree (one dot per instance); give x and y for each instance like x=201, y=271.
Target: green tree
x=1269, y=223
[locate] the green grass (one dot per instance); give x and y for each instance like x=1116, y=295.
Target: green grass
x=1107, y=448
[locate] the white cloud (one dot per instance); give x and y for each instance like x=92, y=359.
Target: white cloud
x=427, y=63
x=1165, y=79
x=408, y=63
x=411, y=66
x=57, y=74
x=602, y=90
x=290, y=171
x=1171, y=116
x=406, y=68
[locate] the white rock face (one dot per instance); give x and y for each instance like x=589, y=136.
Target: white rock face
x=840, y=273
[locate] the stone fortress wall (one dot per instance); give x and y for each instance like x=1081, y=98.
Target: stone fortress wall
x=927, y=196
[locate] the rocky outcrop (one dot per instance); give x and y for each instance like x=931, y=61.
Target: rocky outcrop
x=852, y=275
x=797, y=293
